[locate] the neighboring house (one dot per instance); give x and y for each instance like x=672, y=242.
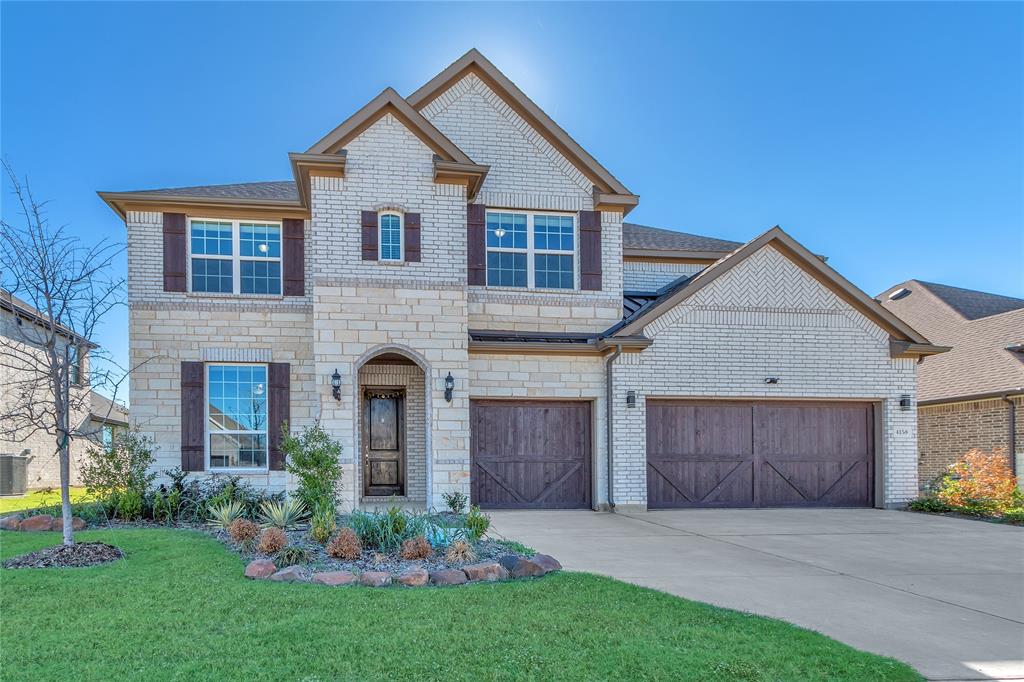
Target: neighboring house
x=21, y=331
x=449, y=286
x=972, y=396
x=107, y=419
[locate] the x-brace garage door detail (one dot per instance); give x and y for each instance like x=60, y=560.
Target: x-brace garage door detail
x=759, y=454
x=530, y=454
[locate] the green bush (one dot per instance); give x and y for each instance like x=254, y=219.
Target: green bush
x=386, y=531
x=119, y=474
x=477, y=523
x=283, y=515
x=313, y=457
x=322, y=525
x=291, y=555
x=929, y=504
x=195, y=498
x=456, y=501
x=224, y=514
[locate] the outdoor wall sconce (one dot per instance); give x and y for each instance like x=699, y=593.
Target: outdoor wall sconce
x=449, y=386
x=771, y=380
x=630, y=398
x=336, y=385
x=905, y=402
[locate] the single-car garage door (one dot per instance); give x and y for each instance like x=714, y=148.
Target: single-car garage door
x=530, y=454
x=759, y=454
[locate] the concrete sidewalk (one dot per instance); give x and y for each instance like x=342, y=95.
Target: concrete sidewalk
x=945, y=595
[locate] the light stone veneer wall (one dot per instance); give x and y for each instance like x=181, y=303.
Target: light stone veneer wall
x=166, y=328
x=362, y=309
x=42, y=470
x=765, y=317
x=652, y=275
x=549, y=377
x=409, y=378
x=528, y=173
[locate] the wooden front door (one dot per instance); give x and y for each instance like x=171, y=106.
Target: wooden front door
x=759, y=454
x=530, y=454
x=383, y=442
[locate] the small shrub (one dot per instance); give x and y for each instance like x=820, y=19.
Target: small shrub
x=929, y=504
x=345, y=545
x=291, y=555
x=119, y=474
x=226, y=513
x=314, y=458
x=243, y=531
x=283, y=515
x=415, y=548
x=456, y=501
x=477, y=523
x=1015, y=515
x=979, y=480
x=272, y=541
x=519, y=548
x=386, y=531
x=459, y=552
x=322, y=525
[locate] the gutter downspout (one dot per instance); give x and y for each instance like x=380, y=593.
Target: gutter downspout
x=1013, y=432
x=609, y=392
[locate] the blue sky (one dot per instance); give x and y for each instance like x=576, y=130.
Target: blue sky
x=889, y=137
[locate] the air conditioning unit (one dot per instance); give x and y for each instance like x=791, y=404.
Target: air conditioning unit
x=12, y=475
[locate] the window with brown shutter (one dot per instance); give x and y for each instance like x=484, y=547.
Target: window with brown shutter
x=174, y=252
x=369, y=224
x=293, y=256
x=476, y=251
x=412, y=237
x=278, y=410
x=193, y=416
x=590, y=250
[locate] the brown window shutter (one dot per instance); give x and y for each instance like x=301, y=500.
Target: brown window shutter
x=193, y=416
x=174, y=251
x=293, y=256
x=476, y=243
x=590, y=250
x=278, y=410
x=412, y=237
x=369, y=223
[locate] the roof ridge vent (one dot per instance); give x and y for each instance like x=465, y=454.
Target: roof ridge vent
x=902, y=292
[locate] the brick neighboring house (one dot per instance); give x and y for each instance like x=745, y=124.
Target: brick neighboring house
x=972, y=396
x=448, y=284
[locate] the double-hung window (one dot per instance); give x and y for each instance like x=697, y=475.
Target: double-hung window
x=531, y=250
x=235, y=256
x=390, y=237
x=236, y=416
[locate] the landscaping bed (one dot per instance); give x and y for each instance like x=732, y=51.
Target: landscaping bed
x=979, y=486
x=78, y=555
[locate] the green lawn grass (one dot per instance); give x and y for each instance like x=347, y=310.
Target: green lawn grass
x=178, y=608
x=39, y=498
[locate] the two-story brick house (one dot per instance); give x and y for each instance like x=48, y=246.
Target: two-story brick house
x=449, y=285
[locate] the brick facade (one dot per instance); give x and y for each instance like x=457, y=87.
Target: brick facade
x=651, y=276
x=948, y=430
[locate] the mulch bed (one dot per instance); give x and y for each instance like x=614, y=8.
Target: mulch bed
x=67, y=556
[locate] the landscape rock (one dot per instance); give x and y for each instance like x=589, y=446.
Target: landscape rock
x=334, y=578
x=528, y=568
x=509, y=561
x=35, y=523
x=10, y=522
x=290, y=574
x=485, y=571
x=414, y=577
x=76, y=524
x=260, y=569
x=448, y=576
x=549, y=563
x=375, y=579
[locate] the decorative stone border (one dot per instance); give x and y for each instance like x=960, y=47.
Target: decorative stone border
x=508, y=566
x=40, y=522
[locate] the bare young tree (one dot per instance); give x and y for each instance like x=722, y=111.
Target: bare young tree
x=47, y=360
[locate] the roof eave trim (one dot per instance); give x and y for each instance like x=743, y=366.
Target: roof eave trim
x=988, y=395
x=452, y=172
x=306, y=165
x=673, y=253
x=118, y=200
x=610, y=201
x=907, y=349
x=37, y=318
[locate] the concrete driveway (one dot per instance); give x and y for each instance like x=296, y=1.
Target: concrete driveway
x=945, y=595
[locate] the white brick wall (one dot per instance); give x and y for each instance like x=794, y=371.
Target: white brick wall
x=766, y=317
x=651, y=276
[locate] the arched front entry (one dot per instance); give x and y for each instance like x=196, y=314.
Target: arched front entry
x=392, y=434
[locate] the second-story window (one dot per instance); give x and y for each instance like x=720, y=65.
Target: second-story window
x=390, y=236
x=235, y=257
x=531, y=250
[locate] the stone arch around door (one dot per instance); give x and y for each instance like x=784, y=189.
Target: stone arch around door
x=385, y=369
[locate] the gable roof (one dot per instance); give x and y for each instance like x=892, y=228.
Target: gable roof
x=103, y=409
x=680, y=290
x=608, y=189
x=983, y=360
x=24, y=310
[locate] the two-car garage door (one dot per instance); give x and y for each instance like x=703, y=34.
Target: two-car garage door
x=759, y=454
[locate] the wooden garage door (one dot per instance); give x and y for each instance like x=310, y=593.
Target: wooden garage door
x=530, y=454
x=759, y=454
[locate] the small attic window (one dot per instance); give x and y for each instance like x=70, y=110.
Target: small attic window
x=902, y=292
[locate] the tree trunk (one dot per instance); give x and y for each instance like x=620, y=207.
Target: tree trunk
x=64, y=449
